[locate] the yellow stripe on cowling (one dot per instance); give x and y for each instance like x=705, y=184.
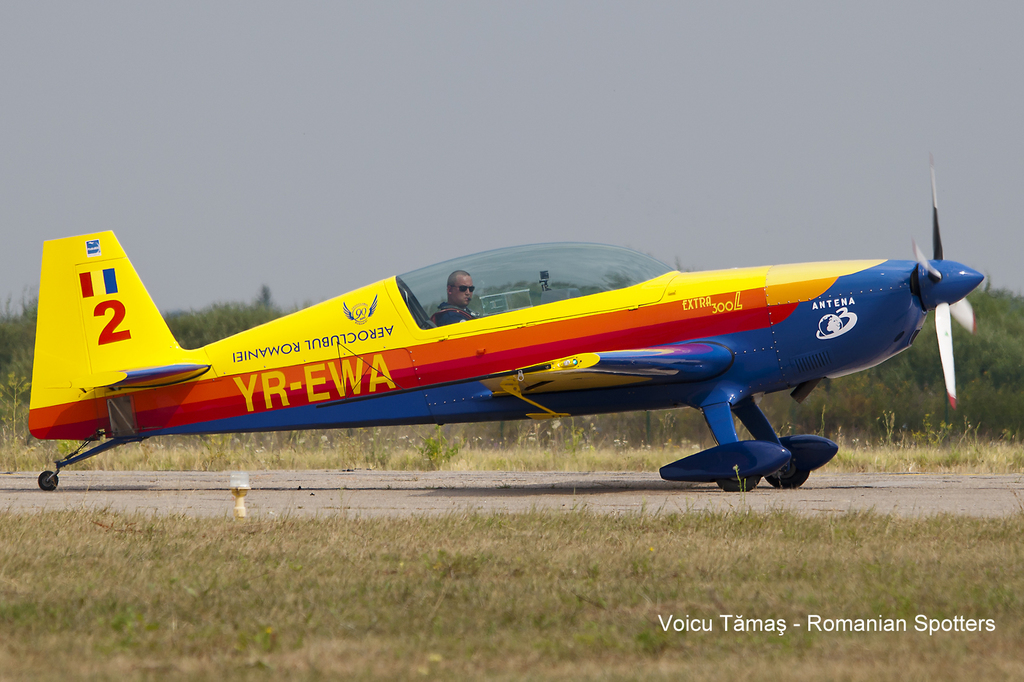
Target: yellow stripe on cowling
x=805, y=281
x=709, y=283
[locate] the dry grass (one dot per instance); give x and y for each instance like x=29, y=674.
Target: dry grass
x=407, y=449
x=98, y=595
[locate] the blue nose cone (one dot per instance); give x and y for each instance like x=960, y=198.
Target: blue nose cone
x=957, y=281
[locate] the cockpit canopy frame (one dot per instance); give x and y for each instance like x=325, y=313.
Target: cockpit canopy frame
x=521, y=277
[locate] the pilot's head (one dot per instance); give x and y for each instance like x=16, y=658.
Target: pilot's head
x=460, y=288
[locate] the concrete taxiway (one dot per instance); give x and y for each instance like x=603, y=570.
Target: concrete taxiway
x=401, y=493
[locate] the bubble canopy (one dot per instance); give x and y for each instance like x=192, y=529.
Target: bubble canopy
x=527, y=276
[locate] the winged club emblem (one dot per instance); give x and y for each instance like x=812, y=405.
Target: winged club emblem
x=360, y=313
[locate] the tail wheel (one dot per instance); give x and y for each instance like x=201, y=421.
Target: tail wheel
x=48, y=480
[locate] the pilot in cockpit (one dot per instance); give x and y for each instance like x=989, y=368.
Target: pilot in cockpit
x=456, y=308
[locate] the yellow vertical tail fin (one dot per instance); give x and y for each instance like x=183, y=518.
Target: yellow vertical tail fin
x=95, y=321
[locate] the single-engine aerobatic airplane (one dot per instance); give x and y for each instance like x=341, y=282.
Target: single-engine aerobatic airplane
x=557, y=330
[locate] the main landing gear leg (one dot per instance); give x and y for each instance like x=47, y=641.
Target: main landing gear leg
x=760, y=428
x=48, y=480
x=719, y=420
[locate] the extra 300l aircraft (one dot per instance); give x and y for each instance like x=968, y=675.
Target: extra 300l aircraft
x=552, y=330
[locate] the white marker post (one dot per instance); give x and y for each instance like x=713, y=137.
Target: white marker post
x=239, y=484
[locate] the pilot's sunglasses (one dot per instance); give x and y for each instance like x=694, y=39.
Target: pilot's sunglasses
x=466, y=287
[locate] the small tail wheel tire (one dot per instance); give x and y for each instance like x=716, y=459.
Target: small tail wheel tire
x=794, y=478
x=48, y=480
x=738, y=485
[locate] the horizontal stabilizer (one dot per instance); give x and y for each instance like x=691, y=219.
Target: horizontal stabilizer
x=141, y=378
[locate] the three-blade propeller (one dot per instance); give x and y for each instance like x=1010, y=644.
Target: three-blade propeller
x=958, y=309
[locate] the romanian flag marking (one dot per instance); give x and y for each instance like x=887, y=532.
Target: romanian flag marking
x=109, y=283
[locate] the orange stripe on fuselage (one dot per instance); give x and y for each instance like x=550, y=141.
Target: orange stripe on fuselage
x=419, y=366
x=70, y=421
x=460, y=358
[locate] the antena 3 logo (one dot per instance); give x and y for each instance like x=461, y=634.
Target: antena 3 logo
x=838, y=323
x=360, y=313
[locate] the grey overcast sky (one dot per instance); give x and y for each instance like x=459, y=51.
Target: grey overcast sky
x=316, y=147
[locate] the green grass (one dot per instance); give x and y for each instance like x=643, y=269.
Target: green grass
x=99, y=595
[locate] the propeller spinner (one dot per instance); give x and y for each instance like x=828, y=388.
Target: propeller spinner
x=944, y=291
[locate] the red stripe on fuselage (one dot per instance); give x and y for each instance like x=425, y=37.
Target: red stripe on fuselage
x=779, y=313
x=420, y=366
x=457, y=358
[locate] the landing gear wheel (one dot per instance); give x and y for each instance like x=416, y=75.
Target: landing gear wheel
x=734, y=485
x=794, y=478
x=48, y=480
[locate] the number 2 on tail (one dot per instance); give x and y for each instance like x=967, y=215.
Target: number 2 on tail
x=110, y=333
